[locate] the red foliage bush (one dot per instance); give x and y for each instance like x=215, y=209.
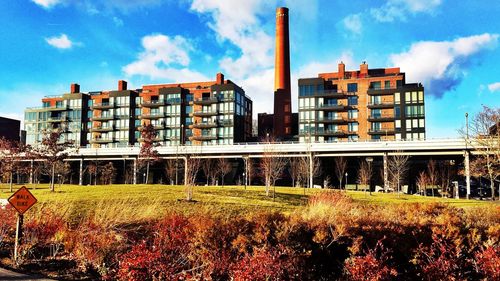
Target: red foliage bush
x=266, y=264
x=165, y=257
x=372, y=266
x=7, y=223
x=488, y=262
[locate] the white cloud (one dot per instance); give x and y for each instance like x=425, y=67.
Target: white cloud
x=117, y=21
x=238, y=22
x=47, y=4
x=441, y=66
x=353, y=24
x=61, y=42
x=399, y=9
x=164, y=58
x=494, y=87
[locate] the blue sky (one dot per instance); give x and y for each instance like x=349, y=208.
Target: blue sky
x=452, y=47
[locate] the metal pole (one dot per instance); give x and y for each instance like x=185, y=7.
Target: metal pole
x=19, y=235
x=467, y=172
x=135, y=171
x=31, y=172
x=80, y=178
x=386, y=174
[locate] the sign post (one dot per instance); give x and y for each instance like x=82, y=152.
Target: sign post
x=21, y=200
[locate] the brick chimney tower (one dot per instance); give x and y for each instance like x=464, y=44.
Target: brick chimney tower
x=282, y=88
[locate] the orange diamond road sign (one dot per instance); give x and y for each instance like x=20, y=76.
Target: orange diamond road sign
x=22, y=200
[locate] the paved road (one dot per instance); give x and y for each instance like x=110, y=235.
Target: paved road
x=7, y=275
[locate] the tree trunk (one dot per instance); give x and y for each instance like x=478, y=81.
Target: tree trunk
x=10, y=182
x=147, y=172
x=340, y=184
x=52, y=179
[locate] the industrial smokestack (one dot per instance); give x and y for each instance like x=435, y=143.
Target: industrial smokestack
x=282, y=87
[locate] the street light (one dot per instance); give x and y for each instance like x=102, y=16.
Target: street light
x=144, y=177
x=346, y=181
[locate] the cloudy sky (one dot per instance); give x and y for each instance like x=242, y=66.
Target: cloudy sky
x=452, y=47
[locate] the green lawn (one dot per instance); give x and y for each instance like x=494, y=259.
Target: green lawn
x=121, y=203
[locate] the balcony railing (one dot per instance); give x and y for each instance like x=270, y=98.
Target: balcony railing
x=102, y=140
x=381, y=118
x=103, y=105
x=384, y=104
x=206, y=100
x=337, y=119
x=152, y=115
x=205, y=113
x=377, y=131
x=226, y=123
x=173, y=101
x=203, y=137
x=200, y=125
x=152, y=103
x=330, y=106
x=102, y=117
x=57, y=119
x=102, y=129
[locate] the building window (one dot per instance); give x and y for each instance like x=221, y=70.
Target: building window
x=352, y=87
x=387, y=84
x=352, y=127
x=376, y=113
x=352, y=114
x=397, y=112
x=399, y=83
x=353, y=100
x=376, y=85
x=397, y=98
x=397, y=124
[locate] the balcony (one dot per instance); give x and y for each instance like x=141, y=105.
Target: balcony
x=332, y=120
x=104, y=105
x=205, y=113
x=328, y=106
x=153, y=103
x=380, y=118
x=152, y=115
x=381, y=92
x=102, y=140
x=173, y=101
x=206, y=100
x=102, y=117
x=56, y=119
x=203, y=137
x=389, y=131
x=331, y=133
x=203, y=125
x=381, y=105
x=102, y=129
x=226, y=123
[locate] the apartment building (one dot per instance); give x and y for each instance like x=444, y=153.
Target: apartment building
x=198, y=113
x=365, y=104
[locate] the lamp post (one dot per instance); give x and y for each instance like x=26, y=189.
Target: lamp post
x=346, y=180
x=144, y=178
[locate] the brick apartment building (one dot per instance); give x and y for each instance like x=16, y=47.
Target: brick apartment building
x=198, y=113
x=366, y=104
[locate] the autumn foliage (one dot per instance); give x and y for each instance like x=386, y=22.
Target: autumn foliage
x=332, y=238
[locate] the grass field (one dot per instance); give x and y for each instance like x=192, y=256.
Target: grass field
x=125, y=203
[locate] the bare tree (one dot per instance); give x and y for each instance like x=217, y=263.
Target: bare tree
x=225, y=168
x=10, y=154
x=148, y=153
x=272, y=166
x=108, y=173
x=398, y=167
x=191, y=168
x=340, y=167
x=422, y=182
x=63, y=170
x=91, y=170
x=250, y=170
x=484, y=136
x=207, y=165
x=54, y=150
x=294, y=169
x=365, y=174
x=171, y=169
x=433, y=175
x=445, y=176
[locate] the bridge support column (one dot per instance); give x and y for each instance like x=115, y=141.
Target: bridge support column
x=80, y=178
x=135, y=171
x=386, y=172
x=31, y=172
x=467, y=172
